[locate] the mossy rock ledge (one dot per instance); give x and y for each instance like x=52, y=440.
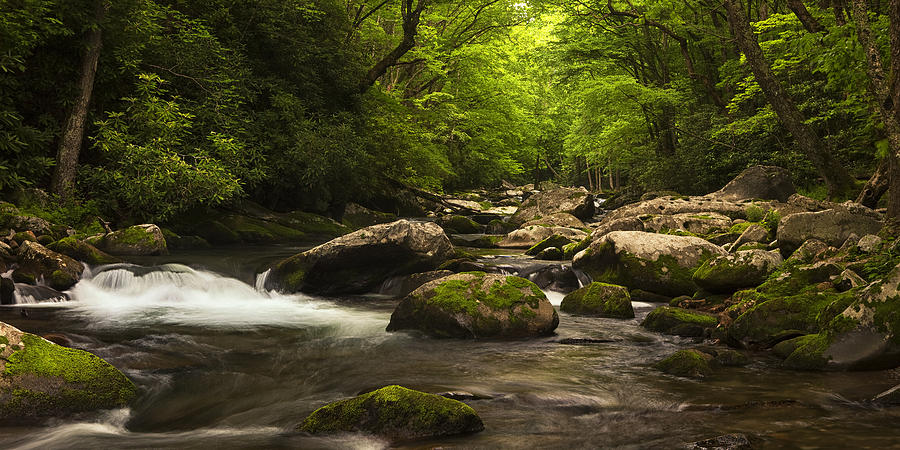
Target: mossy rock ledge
x=82, y=251
x=395, y=413
x=679, y=322
x=659, y=263
x=599, y=299
x=59, y=271
x=41, y=379
x=138, y=240
x=359, y=262
x=476, y=305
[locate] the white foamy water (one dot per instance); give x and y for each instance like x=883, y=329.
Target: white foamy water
x=555, y=298
x=178, y=295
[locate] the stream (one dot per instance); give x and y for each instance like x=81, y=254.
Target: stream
x=222, y=364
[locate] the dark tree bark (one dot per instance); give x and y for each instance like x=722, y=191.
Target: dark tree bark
x=809, y=22
x=70, y=141
x=835, y=176
x=876, y=186
x=885, y=88
x=411, y=15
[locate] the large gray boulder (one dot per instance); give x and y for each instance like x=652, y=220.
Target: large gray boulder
x=137, y=240
x=59, y=271
x=40, y=379
x=530, y=236
x=360, y=261
x=743, y=269
x=476, y=305
x=832, y=226
x=697, y=223
x=560, y=219
x=679, y=205
x=623, y=224
x=578, y=202
x=659, y=263
x=758, y=182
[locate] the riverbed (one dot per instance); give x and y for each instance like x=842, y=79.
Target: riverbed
x=221, y=363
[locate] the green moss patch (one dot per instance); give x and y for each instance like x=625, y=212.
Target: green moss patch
x=48, y=379
x=679, y=321
x=396, y=413
x=599, y=299
x=686, y=363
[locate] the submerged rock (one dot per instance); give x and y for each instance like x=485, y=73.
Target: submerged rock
x=476, y=305
x=734, y=441
x=686, y=363
x=39, y=378
x=679, y=322
x=395, y=413
x=360, y=261
x=59, y=271
x=577, y=202
x=599, y=299
x=139, y=240
x=659, y=263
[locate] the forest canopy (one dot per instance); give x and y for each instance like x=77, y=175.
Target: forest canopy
x=144, y=110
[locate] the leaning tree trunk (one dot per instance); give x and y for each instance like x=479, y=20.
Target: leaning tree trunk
x=885, y=89
x=835, y=176
x=73, y=133
x=877, y=185
x=411, y=15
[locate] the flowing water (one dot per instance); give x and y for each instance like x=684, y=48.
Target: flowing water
x=221, y=363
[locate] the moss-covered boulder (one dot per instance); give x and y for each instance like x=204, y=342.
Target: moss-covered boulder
x=679, y=322
x=477, y=305
x=39, y=379
x=599, y=299
x=395, y=413
x=358, y=216
x=678, y=205
x=659, y=263
x=82, y=251
x=687, y=363
x=459, y=224
x=255, y=230
x=556, y=240
x=791, y=303
x=138, y=240
x=531, y=235
x=550, y=254
x=37, y=262
x=360, y=261
x=863, y=336
x=575, y=201
x=743, y=269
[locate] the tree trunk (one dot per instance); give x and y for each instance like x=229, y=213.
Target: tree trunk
x=884, y=89
x=836, y=178
x=73, y=133
x=809, y=22
x=876, y=186
x=411, y=17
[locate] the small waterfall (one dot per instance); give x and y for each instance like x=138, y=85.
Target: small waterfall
x=123, y=295
x=261, y=280
x=30, y=295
